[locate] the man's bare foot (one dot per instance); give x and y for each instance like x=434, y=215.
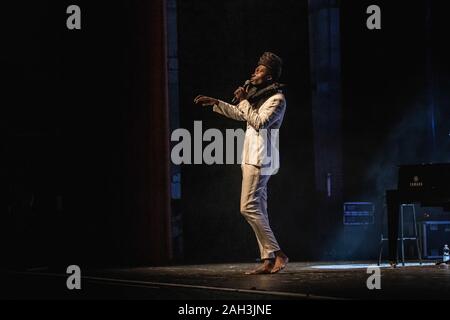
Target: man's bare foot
x=266, y=268
x=281, y=260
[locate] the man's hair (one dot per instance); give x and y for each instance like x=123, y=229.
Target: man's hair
x=272, y=62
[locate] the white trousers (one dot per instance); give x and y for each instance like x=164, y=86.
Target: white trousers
x=254, y=208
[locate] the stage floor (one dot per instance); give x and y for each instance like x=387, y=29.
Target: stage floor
x=227, y=281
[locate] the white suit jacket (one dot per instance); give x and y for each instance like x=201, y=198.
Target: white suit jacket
x=261, y=137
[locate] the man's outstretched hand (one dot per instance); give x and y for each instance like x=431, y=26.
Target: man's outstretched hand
x=205, y=101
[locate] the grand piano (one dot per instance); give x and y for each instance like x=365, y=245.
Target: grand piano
x=426, y=184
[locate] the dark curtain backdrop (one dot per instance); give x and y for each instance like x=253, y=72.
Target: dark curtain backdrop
x=85, y=134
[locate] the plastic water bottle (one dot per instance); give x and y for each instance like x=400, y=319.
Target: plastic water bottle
x=446, y=256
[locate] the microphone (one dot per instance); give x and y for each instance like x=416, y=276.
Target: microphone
x=245, y=86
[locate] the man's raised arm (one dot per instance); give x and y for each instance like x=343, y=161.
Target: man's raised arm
x=226, y=109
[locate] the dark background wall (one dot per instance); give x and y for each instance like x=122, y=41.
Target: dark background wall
x=83, y=117
x=84, y=134
x=386, y=91
x=219, y=46
x=392, y=79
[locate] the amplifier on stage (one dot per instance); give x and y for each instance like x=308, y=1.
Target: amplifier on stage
x=359, y=213
x=435, y=234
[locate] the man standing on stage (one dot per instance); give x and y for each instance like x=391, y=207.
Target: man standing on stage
x=262, y=104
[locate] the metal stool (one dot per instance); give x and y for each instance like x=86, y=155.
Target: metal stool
x=402, y=237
